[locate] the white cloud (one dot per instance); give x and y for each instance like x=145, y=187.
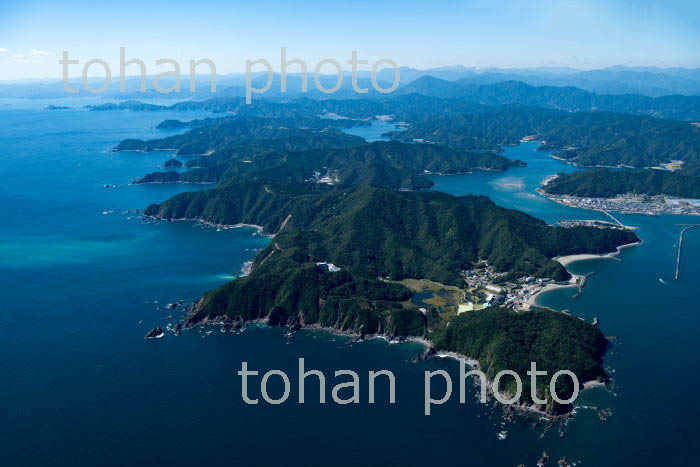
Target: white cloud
x=3, y=50
x=34, y=56
x=21, y=58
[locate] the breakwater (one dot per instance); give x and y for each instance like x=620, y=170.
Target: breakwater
x=680, y=247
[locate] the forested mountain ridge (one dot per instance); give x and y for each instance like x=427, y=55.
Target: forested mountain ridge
x=586, y=139
x=568, y=98
x=239, y=146
x=220, y=134
x=375, y=231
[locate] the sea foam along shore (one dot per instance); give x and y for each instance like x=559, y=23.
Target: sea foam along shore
x=429, y=351
x=569, y=259
x=522, y=407
x=260, y=230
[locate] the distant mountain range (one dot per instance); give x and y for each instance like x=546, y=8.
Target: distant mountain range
x=647, y=81
x=569, y=98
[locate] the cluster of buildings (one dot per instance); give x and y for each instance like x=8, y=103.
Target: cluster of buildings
x=487, y=287
x=568, y=223
x=330, y=267
x=632, y=204
x=330, y=177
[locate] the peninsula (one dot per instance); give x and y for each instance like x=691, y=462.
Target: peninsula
x=632, y=192
x=338, y=257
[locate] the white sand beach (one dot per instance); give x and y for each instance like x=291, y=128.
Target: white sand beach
x=573, y=282
x=566, y=260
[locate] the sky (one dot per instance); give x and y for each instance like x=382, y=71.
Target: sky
x=421, y=34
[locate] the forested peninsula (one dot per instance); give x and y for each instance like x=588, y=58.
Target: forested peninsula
x=248, y=146
x=684, y=183
x=338, y=254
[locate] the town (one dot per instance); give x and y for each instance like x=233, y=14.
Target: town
x=487, y=287
x=629, y=203
x=484, y=287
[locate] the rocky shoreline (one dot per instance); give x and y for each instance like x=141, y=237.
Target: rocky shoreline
x=259, y=230
x=229, y=325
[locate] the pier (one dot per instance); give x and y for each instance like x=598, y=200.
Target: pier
x=582, y=283
x=680, y=246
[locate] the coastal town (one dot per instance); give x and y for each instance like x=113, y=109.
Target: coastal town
x=629, y=203
x=487, y=287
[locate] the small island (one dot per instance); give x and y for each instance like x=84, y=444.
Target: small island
x=155, y=333
x=172, y=163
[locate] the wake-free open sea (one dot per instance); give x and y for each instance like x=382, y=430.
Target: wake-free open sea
x=82, y=279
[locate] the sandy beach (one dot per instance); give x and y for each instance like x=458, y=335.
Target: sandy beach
x=566, y=260
x=532, y=301
x=573, y=282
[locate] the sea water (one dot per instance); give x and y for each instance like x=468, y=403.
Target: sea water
x=82, y=279
x=652, y=320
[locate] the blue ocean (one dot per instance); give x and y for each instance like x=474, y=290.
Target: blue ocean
x=83, y=279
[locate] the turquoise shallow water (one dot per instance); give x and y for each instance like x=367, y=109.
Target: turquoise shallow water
x=82, y=280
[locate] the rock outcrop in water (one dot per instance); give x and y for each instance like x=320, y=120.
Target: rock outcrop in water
x=155, y=333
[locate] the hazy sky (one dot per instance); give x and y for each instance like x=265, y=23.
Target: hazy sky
x=509, y=33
